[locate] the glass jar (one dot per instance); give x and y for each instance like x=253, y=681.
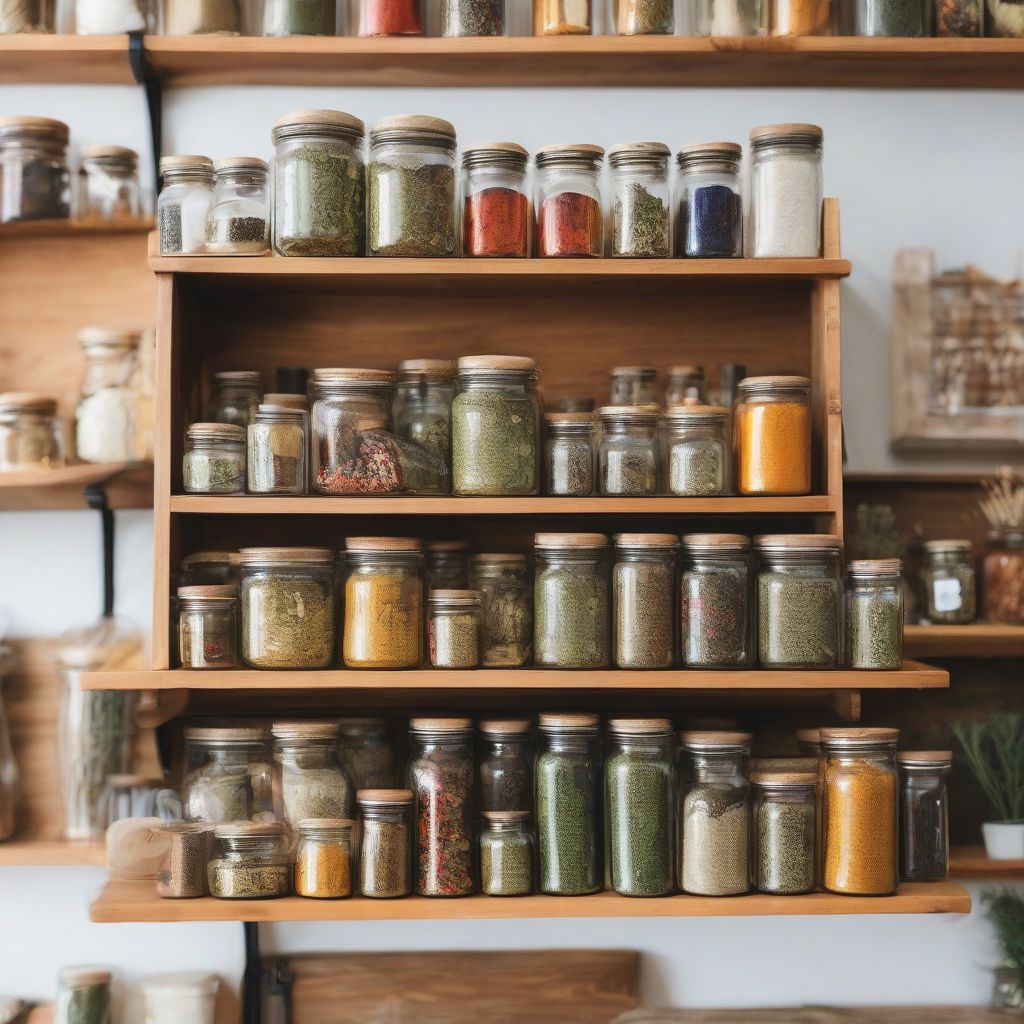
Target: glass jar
x=714, y=814
x=214, y=461
x=949, y=582
x=786, y=187
x=287, y=601
x=228, y=774
x=861, y=847
x=716, y=613
x=111, y=418
x=506, y=634
x=366, y=751
x=187, y=18
x=1004, y=578
x=8, y=766
x=563, y=18
x=710, y=206
x=695, y=455
x=506, y=765
x=277, y=451
x=183, y=207
x=633, y=385
x=732, y=18
x=640, y=791
x=187, y=998
x=1005, y=19
x=783, y=844
x=453, y=628
x=388, y=18
x=34, y=168
x=639, y=170
x=569, y=454
x=208, y=627
x=31, y=436
x=385, y=870
x=423, y=405
x=506, y=854
x=924, y=815
x=496, y=427
x=209, y=567
x=802, y=17
x=442, y=779
x=109, y=183
x=250, y=862
x=239, y=215
x=772, y=436
x=102, y=18
x=644, y=599
x=410, y=192
x=571, y=599
x=874, y=614
x=299, y=18
x=799, y=598
x=461, y=18
x=496, y=209
x=568, y=792
x=685, y=385
x=447, y=565
x=384, y=621
x=319, y=184
x=628, y=455
x=28, y=16
x=83, y=996
x=323, y=858
x=182, y=875
x=235, y=397
x=880, y=18
x=959, y=18
x=569, y=218
x=313, y=784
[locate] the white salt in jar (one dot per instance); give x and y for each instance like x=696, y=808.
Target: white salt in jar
x=112, y=17
x=180, y=998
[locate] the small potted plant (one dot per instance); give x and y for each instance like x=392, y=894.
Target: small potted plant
x=1006, y=911
x=994, y=752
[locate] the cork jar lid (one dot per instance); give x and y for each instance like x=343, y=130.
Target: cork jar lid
x=27, y=402
x=503, y=726
x=461, y=598
x=285, y=400
x=646, y=540
x=191, y=163
x=505, y=817
x=556, y=541
x=685, y=370
x=784, y=780
x=474, y=364
x=775, y=383
x=640, y=726
x=416, y=128
x=213, y=592
x=206, y=558
x=354, y=377
x=108, y=337
x=568, y=153
x=495, y=152
x=638, y=152
x=324, y=827
x=309, y=122
x=274, y=556
x=384, y=796
x=794, y=541
x=238, y=377
x=808, y=735
x=714, y=739
x=241, y=164
x=413, y=544
x=40, y=127
x=568, y=721
x=230, y=432
x=716, y=541
x=859, y=738
x=431, y=369
x=444, y=725
x=709, y=151
x=84, y=977
x=249, y=830
x=227, y=734
x=299, y=731
x=767, y=134
x=925, y=758
x=447, y=545
x=113, y=154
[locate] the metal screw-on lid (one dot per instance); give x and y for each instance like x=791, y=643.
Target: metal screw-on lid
x=623, y=153
x=415, y=128
x=856, y=739
x=325, y=828
x=236, y=377
x=694, y=414
x=768, y=134
x=508, y=153
x=639, y=414
x=709, y=151
x=664, y=541
x=318, y=122
x=460, y=598
x=874, y=568
x=775, y=384
x=227, y=734
x=230, y=432
x=213, y=592
x=572, y=153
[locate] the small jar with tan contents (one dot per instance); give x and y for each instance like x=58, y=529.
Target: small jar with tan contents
x=323, y=858
x=563, y=18
x=385, y=864
x=453, y=627
x=772, y=436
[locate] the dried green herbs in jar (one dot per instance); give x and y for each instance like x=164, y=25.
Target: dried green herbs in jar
x=506, y=854
x=695, y=458
x=250, y=864
x=453, y=628
x=640, y=195
x=629, y=450
x=569, y=454
x=874, y=614
x=214, y=461
x=277, y=451
x=384, y=865
x=314, y=785
x=472, y=18
x=644, y=599
x=507, y=604
x=784, y=824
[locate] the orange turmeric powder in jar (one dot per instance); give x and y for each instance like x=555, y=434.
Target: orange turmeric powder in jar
x=772, y=436
x=801, y=17
x=323, y=858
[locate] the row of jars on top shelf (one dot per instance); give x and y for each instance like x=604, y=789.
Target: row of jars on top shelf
x=404, y=200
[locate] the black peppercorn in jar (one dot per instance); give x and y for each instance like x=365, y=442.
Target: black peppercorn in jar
x=208, y=626
x=784, y=822
x=628, y=464
x=183, y=207
x=874, y=614
x=33, y=160
x=950, y=582
x=924, y=814
x=239, y=217
x=644, y=600
x=569, y=454
x=507, y=605
x=506, y=765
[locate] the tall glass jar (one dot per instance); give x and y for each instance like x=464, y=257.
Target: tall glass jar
x=506, y=765
x=312, y=782
x=496, y=427
x=31, y=435
x=568, y=790
x=713, y=815
x=643, y=18
x=633, y=385
x=1005, y=19
x=924, y=814
x=239, y=216
x=319, y=184
x=34, y=168
x=878, y=18
x=563, y=17
x=324, y=858
x=628, y=456
x=685, y=385
x=208, y=627
x=496, y=208
x=186, y=18
x=959, y=18
x=388, y=18
x=8, y=766
x=366, y=749
x=800, y=599
x=447, y=565
x=874, y=614
x=109, y=183
x=640, y=221
x=640, y=791
x=716, y=608
x=442, y=779
x=102, y=18
x=571, y=600
x=276, y=451
x=695, y=455
x=214, y=459
x=250, y=862
x=506, y=589
x=235, y=397
x=569, y=454
x=506, y=854
x=950, y=582
x=184, y=204
x=83, y=996
x=384, y=603
x=644, y=599
x=1003, y=570
x=300, y=18
x=410, y=192
x=783, y=843
x=786, y=187
x=732, y=18
x=772, y=436
x=423, y=405
x=385, y=870
x=111, y=418
x=861, y=844
x=453, y=628
x=569, y=218
x=228, y=773
x=710, y=206
x=802, y=17
x=30, y=16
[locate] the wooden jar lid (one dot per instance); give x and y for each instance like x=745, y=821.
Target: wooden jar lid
x=507, y=725
x=473, y=363
x=298, y=731
x=383, y=544
x=441, y=725
x=557, y=541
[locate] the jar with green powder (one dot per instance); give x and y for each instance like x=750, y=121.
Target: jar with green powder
x=783, y=844
x=506, y=854
x=299, y=17
x=83, y=996
x=874, y=614
x=644, y=599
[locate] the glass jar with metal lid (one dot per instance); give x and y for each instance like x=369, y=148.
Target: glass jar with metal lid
x=214, y=460
x=803, y=17
x=319, y=184
x=447, y=565
x=633, y=385
x=783, y=818
x=506, y=589
x=924, y=814
x=950, y=582
x=640, y=199
x=572, y=627
x=506, y=765
x=906, y=18
x=506, y=854
x=312, y=783
x=109, y=183
x=300, y=18
x=31, y=435
x=410, y=192
x=324, y=858
x=184, y=204
x=277, y=451
x=28, y=16
x=83, y=996
x=874, y=614
x=569, y=454
x=287, y=602
x=366, y=749
x=228, y=773
x=496, y=209
x=800, y=600
x=390, y=18
x=732, y=18
x=33, y=163
x=239, y=216
x=250, y=862
x=235, y=397
x=1003, y=572
x=685, y=385
x=385, y=870
x=563, y=18
x=570, y=222
x=644, y=18
x=209, y=567
x=423, y=404
x=628, y=464
x=453, y=628
x=644, y=600
x=695, y=456
x=772, y=436
x=208, y=627
x=186, y=18
x=709, y=201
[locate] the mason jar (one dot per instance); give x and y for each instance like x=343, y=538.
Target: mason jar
x=640, y=219
x=31, y=435
x=184, y=204
x=496, y=209
x=695, y=453
x=228, y=773
x=385, y=869
x=633, y=385
x=208, y=627
x=569, y=217
x=562, y=18
x=644, y=599
x=110, y=186
x=324, y=858
x=277, y=451
x=388, y=18
x=453, y=628
x=312, y=782
x=34, y=169
x=903, y=18
x=1003, y=572
x=709, y=201
x=802, y=17
x=30, y=16
x=250, y=862
x=950, y=582
x=506, y=854
x=685, y=385
x=772, y=436
x=83, y=996
x=235, y=397
x=959, y=18
x=506, y=588
x=924, y=814
x=214, y=460
x=874, y=614
x=423, y=405
x=447, y=565
x=628, y=455
x=366, y=749
x=783, y=818
x=462, y=18
x=239, y=214
x=569, y=454
x=506, y=765
x=300, y=18
x=732, y=18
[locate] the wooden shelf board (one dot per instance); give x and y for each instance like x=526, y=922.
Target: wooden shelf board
x=980, y=640
x=972, y=862
x=36, y=59
x=51, y=853
x=63, y=227
x=127, y=485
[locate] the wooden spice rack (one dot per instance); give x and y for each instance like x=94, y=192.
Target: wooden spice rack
x=980, y=640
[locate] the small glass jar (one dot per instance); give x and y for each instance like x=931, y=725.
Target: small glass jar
x=277, y=451
x=208, y=627
x=633, y=385
x=183, y=207
x=959, y=18
x=714, y=812
x=695, y=455
x=496, y=427
x=904, y=18
x=799, y=599
x=442, y=779
x=924, y=815
x=1003, y=570
x=643, y=18
x=716, y=613
x=228, y=774
x=772, y=436
x=447, y=565
x=209, y=567
x=571, y=599
x=949, y=581
x=183, y=875
x=732, y=18
x=860, y=836
x=366, y=750
x=423, y=405
x=569, y=454
x=28, y=16
x=31, y=436
x=214, y=461
x=569, y=218
x=874, y=614
x=569, y=804
x=644, y=599
x=384, y=861
x=496, y=209
x=388, y=18
x=186, y=998
x=239, y=215
x=235, y=397
x=640, y=792
x=710, y=206
x=453, y=628
x=685, y=385
x=506, y=854
x=802, y=17
x=563, y=18
x=187, y=18
x=102, y=18
x=83, y=996
x=319, y=184
x=323, y=858
x=287, y=602
x=506, y=589
x=250, y=862
x=783, y=818
x=506, y=765
x=463, y=18
x=410, y=192
x=34, y=168
x=109, y=181
x=1005, y=19
x=300, y=18
x=786, y=188
x=628, y=455
x=312, y=782
x=640, y=220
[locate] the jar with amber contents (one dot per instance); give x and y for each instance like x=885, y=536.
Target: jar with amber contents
x=772, y=436
x=323, y=858
x=1004, y=578
x=802, y=17
x=30, y=433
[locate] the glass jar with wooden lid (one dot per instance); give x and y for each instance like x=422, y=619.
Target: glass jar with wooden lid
x=324, y=858
x=250, y=862
x=312, y=782
x=924, y=814
x=385, y=870
x=496, y=207
x=950, y=582
x=644, y=600
x=506, y=587
x=874, y=614
x=31, y=434
x=506, y=765
x=182, y=873
x=277, y=447
x=569, y=454
x=633, y=385
x=37, y=182
x=83, y=994
x=709, y=201
x=695, y=457
x=506, y=854
x=783, y=817
x=570, y=222
x=239, y=218
x=628, y=464
x=453, y=628
x=772, y=436
x=228, y=773
x=640, y=194
x=109, y=183
x=423, y=404
x=214, y=459
x=208, y=627
x=366, y=749
x=184, y=204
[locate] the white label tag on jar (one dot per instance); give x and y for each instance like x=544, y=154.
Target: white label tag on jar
x=947, y=595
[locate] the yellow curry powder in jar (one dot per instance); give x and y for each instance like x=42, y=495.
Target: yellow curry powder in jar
x=772, y=436
x=323, y=858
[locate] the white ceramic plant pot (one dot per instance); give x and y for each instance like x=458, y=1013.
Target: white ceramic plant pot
x=1004, y=840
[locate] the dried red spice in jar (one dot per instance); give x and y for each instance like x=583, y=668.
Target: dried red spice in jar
x=391, y=18
x=569, y=221
x=496, y=209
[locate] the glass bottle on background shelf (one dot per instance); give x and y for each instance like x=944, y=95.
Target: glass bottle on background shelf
x=250, y=862
x=447, y=565
x=109, y=181
x=732, y=18
x=563, y=17
x=506, y=854
x=569, y=217
x=8, y=766
x=214, y=460
x=1005, y=19
x=276, y=451
x=83, y=996
x=103, y=18
x=783, y=843
x=628, y=456
x=313, y=784
x=880, y=18
x=569, y=454
x=385, y=869
x=950, y=582
x=208, y=627
x=772, y=436
x=239, y=216
x=300, y=18
x=391, y=17
x=235, y=397
x=959, y=18
x=228, y=773
x=366, y=749
x=802, y=17
x=423, y=404
x=33, y=160
x=644, y=600
x=874, y=614
x=506, y=765
x=709, y=201
x=924, y=814
x=506, y=589
x=31, y=434
x=695, y=457
x=496, y=211
x=1003, y=572
x=685, y=385
x=28, y=16
x=187, y=18
x=640, y=197
x=633, y=385
x=183, y=206
x=453, y=628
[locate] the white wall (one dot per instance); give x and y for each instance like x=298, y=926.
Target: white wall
x=939, y=169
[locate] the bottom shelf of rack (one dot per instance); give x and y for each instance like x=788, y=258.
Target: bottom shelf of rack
x=138, y=901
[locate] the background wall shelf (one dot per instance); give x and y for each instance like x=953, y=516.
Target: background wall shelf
x=971, y=862
x=51, y=853
x=125, y=486
x=977, y=641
